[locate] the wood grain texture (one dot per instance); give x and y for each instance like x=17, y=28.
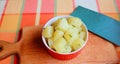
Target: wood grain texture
x=31, y=50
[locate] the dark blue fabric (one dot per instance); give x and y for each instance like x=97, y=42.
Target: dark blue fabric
x=99, y=24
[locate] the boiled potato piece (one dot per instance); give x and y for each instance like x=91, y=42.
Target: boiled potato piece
x=67, y=36
x=48, y=32
x=72, y=30
x=50, y=42
x=82, y=35
x=59, y=45
x=76, y=22
x=57, y=34
x=77, y=44
x=54, y=24
x=62, y=25
x=79, y=29
x=71, y=34
x=68, y=49
x=70, y=38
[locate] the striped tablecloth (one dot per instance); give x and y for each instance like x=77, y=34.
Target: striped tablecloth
x=16, y=14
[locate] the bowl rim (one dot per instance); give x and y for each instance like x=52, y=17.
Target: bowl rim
x=49, y=22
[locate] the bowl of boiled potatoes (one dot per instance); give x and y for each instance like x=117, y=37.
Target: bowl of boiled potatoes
x=64, y=36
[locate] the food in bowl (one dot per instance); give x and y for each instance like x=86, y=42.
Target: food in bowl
x=65, y=35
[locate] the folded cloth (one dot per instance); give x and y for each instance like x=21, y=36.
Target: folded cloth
x=99, y=24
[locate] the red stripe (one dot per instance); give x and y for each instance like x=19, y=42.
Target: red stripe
x=30, y=6
x=29, y=13
x=47, y=6
x=98, y=6
x=16, y=57
x=47, y=11
x=73, y=4
x=118, y=4
x=3, y=12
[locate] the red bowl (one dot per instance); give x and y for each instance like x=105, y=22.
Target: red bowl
x=63, y=56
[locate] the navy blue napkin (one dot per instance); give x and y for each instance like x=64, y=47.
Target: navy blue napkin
x=101, y=25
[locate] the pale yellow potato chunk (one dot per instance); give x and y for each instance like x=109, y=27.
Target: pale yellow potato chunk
x=68, y=49
x=77, y=44
x=71, y=34
x=54, y=24
x=74, y=21
x=82, y=35
x=48, y=32
x=59, y=45
x=72, y=30
x=57, y=34
x=50, y=42
x=79, y=29
x=70, y=38
x=67, y=36
x=62, y=25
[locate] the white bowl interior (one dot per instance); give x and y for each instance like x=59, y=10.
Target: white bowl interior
x=53, y=20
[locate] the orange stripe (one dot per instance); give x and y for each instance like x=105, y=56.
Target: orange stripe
x=10, y=23
x=11, y=16
x=61, y=14
x=107, y=6
x=29, y=13
x=28, y=19
x=7, y=36
x=10, y=38
x=47, y=11
x=3, y=12
x=14, y=7
x=64, y=6
x=44, y=17
x=6, y=60
x=117, y=8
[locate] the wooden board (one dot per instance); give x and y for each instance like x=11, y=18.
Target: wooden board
x=31, y=50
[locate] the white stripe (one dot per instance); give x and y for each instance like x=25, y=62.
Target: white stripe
x=38, y=13
x=90, y=4
x=2, y=5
